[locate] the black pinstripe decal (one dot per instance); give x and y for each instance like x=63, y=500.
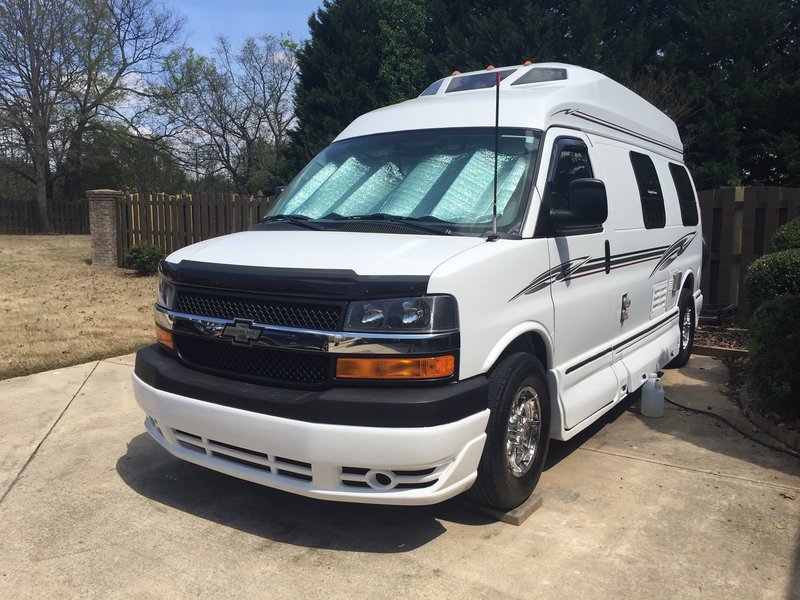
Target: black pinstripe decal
x=619, y=346
x=597, y=120
x=586, y=265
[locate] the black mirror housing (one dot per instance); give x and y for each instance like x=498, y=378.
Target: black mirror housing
x=588, y=206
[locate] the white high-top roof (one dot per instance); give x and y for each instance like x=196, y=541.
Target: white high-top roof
x=585, y=100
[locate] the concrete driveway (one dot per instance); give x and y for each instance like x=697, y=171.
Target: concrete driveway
x=677, y=507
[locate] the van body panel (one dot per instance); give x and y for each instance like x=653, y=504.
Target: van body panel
x=488, y=282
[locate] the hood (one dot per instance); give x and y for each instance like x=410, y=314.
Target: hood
x=364, y=253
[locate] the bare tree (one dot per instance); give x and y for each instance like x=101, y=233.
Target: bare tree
x=36, y=57
x=123, y=43
x=63, y=63
x=233, y=110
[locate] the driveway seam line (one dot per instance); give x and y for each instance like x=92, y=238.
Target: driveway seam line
x=47, y=435
x=702, y=472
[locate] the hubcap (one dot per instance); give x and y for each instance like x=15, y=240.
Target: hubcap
x=686, y=329
x=524, y=431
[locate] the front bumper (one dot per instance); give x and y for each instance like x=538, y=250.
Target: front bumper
x=418, y=445
x=378, y=465
x=375, y=405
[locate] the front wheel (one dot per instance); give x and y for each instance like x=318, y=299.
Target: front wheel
x=686, y=320
x=518, y=433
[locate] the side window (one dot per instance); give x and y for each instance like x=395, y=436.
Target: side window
x=572, y=163
x=683, y=185
x=649, y=191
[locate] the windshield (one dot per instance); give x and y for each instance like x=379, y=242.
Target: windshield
x=440, y=177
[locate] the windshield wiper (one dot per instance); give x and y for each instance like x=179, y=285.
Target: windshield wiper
x=429, y=224
x=298, y=220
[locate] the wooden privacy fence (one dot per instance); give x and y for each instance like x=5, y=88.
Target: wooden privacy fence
x=66, y=217
x=738, y=224
x=172, y=222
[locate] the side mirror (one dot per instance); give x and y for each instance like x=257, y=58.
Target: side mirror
x=588, y=206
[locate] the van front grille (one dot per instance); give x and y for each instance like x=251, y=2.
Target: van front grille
x=261, y=365
x=324, y=317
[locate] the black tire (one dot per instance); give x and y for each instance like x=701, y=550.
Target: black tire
x=686, y=321
x=509, y=471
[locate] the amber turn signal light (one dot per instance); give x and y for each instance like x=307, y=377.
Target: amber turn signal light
x=164, y=338
x=432, y=367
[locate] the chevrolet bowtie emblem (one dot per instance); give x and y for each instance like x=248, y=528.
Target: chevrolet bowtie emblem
x=241, y=332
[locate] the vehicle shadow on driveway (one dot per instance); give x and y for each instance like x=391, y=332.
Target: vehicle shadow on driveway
x=279, y=516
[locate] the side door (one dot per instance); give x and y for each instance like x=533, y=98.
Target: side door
x=580, y=286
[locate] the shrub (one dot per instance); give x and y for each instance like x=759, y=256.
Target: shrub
x=144, y=258
x=775, y=356
x=787, y=236
x=772, y=275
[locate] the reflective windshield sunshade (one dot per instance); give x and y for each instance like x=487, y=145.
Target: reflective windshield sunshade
x=417, y=184
x=321, y=202
x=444, y=177
x=466, y=196
x=310, y=186
x=372, y=192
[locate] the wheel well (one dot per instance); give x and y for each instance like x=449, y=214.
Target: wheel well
x=689, y=283
x=530, y=343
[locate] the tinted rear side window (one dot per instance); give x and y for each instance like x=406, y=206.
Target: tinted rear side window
x=649, y=191
x=683, y=185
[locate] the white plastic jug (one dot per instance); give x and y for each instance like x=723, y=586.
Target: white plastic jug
x=653, y=397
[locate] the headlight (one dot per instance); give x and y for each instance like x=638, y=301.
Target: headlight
x=166, y=293
x=423, y=314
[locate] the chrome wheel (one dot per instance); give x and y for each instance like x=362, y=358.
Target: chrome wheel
x=517, y=434
x=686, y=329
x=524, y=431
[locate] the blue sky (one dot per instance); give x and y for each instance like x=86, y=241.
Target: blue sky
x=236, y=19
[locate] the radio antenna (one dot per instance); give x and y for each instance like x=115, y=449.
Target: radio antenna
x=493, y=236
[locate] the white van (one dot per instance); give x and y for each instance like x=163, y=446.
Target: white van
x=381, y=337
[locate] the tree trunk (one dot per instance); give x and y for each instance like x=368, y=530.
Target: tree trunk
x=73, y=167
x=41, y=168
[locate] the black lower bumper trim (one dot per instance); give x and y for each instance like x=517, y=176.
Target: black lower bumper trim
x=364, y=406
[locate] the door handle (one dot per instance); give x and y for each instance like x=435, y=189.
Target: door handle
x=608, y=258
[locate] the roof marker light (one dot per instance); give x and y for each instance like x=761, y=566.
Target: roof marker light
x=455, y=73
x=527, y=63
x=489, y=67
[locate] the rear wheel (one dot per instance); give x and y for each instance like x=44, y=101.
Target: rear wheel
x=518, y=433
x=686, y=320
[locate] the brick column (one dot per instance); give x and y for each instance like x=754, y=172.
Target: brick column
x=103, y=226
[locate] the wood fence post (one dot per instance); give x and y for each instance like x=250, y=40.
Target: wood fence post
x=103, y=226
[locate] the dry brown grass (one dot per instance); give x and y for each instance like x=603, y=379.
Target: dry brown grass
x=58, y=310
